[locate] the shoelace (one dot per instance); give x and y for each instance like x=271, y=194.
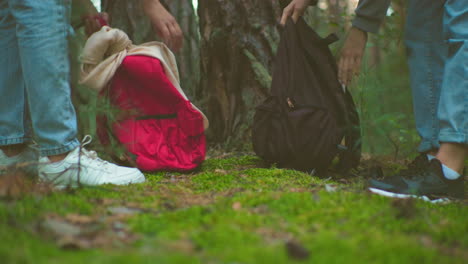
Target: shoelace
x=91, y=154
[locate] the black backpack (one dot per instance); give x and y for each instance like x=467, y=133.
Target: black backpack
x=309, y=118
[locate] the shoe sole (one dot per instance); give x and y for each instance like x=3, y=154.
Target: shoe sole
x=408, y=196
x=76, y=185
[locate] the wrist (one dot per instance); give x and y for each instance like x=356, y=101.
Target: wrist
x=150, y=5
x=358, y=31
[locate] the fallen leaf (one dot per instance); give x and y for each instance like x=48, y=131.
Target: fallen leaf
x=223, y=172
x=173, y=178
x=330, y=188
x=14, y=183
x=60, y=228
x=237, y=206
x=43, y=188
x=184, y=246
x=79, y=219
x=84, y=232
x=273, y=235
x=261, y=209
x=298, y=190
x=405, y=208
x=106, y=201
x=427, y=241
x=72, y=243
x=133, y=205
x=315, y=197
x=118, y=225
x=297, y=251
x=124, y=210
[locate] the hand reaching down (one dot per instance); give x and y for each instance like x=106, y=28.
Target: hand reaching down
x=351, y=55
x=295, y=10
x=164, y=24
x=95, y=22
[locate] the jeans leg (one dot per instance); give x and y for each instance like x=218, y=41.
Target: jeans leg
x=13, y=117
x=426, y=53
x=453, y=106
x=42, y=30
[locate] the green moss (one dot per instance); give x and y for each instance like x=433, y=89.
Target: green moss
x=231, y=211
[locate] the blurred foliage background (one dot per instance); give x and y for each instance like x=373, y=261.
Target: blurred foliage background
x=228, y=55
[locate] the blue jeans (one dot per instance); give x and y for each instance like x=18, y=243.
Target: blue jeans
x=437, y=48
x=35, y=100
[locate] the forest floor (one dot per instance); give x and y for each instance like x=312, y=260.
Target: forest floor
x=231, y=211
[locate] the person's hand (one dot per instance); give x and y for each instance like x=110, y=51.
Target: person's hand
x=94, y=23
x=164, y=24
x=352, y=52
x=295, y=9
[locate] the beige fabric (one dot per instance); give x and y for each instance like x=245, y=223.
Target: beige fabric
x=106, y=49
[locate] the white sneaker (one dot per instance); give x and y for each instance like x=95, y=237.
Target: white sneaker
x=26, y=160
x=86, y=168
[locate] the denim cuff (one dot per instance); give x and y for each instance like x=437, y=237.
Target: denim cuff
x=426, y=146
x=366, y=24
x=453, y=137
x=60, y=150
x=14, y=141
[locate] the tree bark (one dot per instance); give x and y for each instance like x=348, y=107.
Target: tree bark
x=128, y=16
x=189, y=57
x=239, y=39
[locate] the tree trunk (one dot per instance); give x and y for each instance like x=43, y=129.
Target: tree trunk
x=128, y=16
x=189, y=57
x=239, y=40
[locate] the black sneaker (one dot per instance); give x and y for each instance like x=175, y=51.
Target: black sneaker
x=428, y=183
x=416, y=166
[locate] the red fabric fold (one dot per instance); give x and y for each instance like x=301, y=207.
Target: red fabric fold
x=157, y=125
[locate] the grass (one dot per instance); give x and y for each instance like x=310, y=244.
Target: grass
x=231, y=211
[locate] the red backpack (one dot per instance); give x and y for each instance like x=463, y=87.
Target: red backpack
x=157, y=126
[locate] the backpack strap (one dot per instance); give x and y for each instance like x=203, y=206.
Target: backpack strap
x=330, y=39
x=350, y=154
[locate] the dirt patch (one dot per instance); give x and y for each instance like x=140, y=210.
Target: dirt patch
x=75, y=231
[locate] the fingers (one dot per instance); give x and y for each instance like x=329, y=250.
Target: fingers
x=349, y=67
x=171, y=34
x=164, y=33
x=295, y=9
x=349, y=64
x=176, y=36
x=165, y=25
x=341, y=77
x=297, y=14
x=344, y=67
x=348, y=70
x=291, y=11
x=357, y=66
x=91, y=26
x=343, y=71
x=101, y=20
x=287, y=12
x=94, y=23
x=87, y=24
x=105, y=16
